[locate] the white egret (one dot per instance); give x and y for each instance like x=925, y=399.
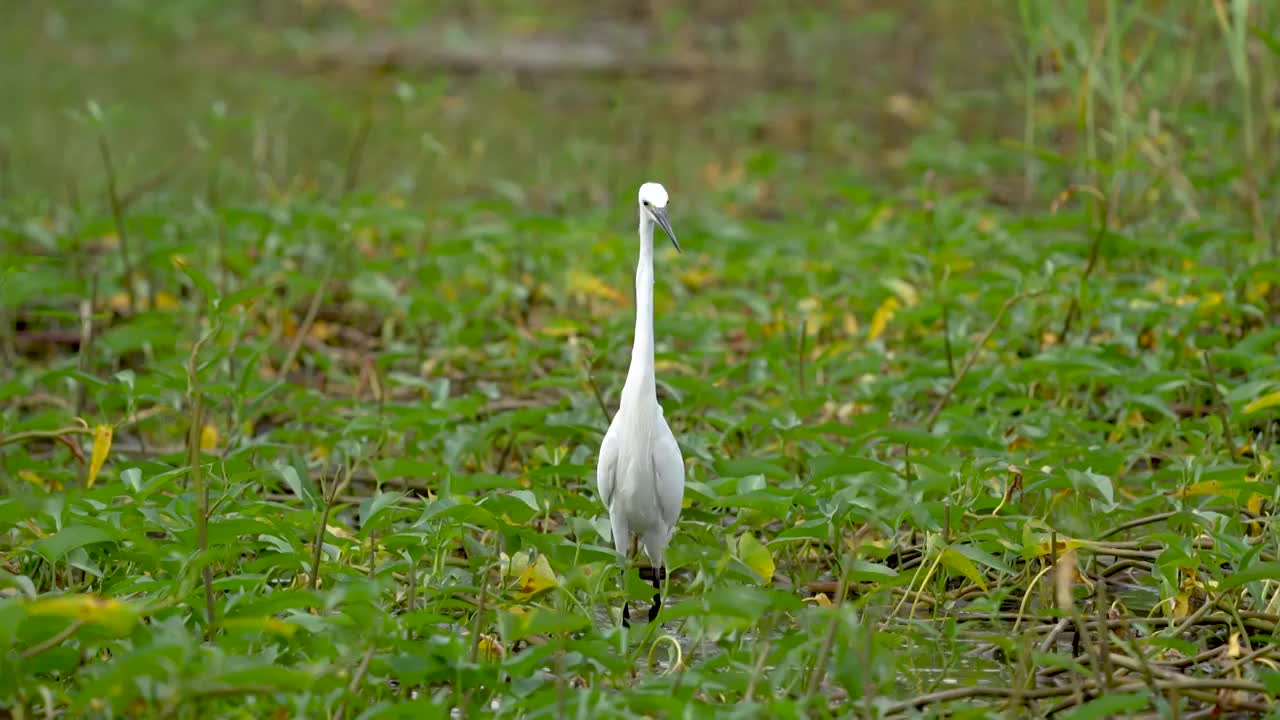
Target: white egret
x=640, y=474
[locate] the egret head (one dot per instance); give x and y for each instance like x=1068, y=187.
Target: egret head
x=653, y=205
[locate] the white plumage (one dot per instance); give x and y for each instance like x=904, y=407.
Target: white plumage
x=640, y=474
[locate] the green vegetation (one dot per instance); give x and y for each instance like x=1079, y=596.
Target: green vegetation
x=309, y=344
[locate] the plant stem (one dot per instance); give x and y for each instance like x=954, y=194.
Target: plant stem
x=972, y=357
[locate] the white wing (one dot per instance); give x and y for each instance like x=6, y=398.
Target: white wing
x=607, y=465
x=670, y=470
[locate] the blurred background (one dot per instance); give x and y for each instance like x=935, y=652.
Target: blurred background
x=742, y=103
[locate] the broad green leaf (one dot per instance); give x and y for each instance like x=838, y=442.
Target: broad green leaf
x=198, y=278
x=825, y=466
x=56, y=546
x=541, y=621
x=963, y=565
x=1256, y=571
x=756, y=556
x=978, y=555
x=370, y=509
x=866, y=571
x=1271, y=681
x=1109, y=706
x=240, y=297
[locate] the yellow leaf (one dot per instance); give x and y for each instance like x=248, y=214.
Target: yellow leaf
x=1181, y=605
x=1064, y=575
x=31, y=477
x=339, y=532
x=489, y=648
x=672, y=366
x=814, y=318
x=906, y=108
x=1064, y=544
x=208, y=437
x=322, y=331
x=882, y=215
x=166, y=301
x=1210, y=299
x=964, y=566
x=903, y=289
x=101, y=447
x=1216, y=487
x=1233, y=646
x=821, y=600
x=850, y=324
x=1254, y=505
x=1266, y=401
x=591, y=285
x=756, y=556
x=697, y=278
x=1205, y=487
x=91, y=609
x=537, y=576
x=558, y=330
x=288, y=326
x=883, y=315
x=1186, y=591
x=1133, y=420
x=275, y=626
x=118, y=302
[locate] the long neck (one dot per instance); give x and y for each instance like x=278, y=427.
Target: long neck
x=640, y=382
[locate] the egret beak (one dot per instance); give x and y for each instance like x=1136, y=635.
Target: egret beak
x=660, y=217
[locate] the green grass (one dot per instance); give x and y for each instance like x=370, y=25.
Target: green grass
x=972, y=345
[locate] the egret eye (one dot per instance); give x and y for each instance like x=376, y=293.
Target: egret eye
x=645, y=203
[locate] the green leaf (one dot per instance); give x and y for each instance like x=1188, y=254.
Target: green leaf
x=1109, y=705
x=1257, y=571
x=743, y=466
x=540, y=621
x=279, y=679
x=132, y=478
x=1271, y=681
x=1267, y=38
x=963, y=565
x=1101, y=483
x=239, y=297
x=866, y=571
x=826, y=466
x=370, y=509
x=56, y=546
x=978, y=555
x=756, y=556
x=199, y=279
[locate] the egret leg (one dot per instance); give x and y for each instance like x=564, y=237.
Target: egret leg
x=623, y=543
x=657, y=594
